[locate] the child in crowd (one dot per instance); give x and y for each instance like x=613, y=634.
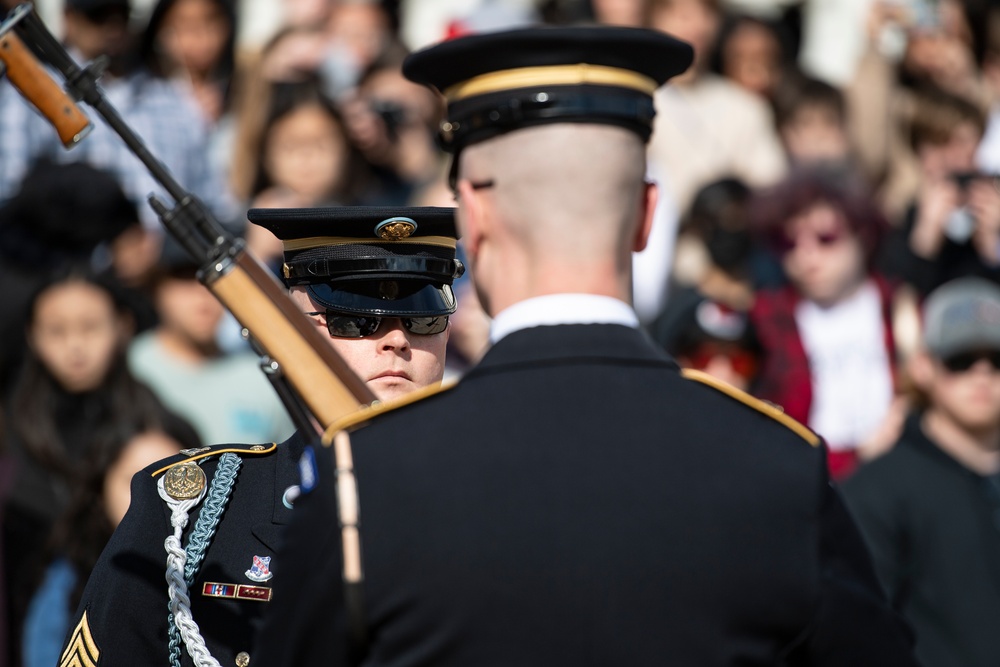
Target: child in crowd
x=74, y=390
x=99, y=498
x=811, y=117
x=223, y=394
x=827, y=338
x=754, y=53
x=710, y=337
x=929, y=509
x=304, y=149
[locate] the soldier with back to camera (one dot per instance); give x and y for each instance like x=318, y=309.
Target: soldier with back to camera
x=575, y=499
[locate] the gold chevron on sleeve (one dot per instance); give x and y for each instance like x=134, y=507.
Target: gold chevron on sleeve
x=81, y=651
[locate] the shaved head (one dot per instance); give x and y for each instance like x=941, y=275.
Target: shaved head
x=566, y=206
x=568, y=190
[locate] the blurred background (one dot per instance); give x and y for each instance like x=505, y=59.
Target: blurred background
x=823, y=168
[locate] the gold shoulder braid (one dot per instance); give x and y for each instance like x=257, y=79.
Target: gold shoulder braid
x=769, y=409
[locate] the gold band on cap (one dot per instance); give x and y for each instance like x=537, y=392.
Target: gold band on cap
x=551, y=75
x=292, y=245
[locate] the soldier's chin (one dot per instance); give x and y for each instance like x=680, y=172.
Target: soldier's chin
x=392, y=387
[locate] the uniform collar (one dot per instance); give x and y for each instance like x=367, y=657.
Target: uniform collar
x=556, y=309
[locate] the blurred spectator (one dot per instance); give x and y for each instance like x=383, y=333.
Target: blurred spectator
x=753, y=53
x=99, y=499
x=292, y=56
x=192, y=43
x=929, y=508
x=74, y=390
x=618, y=12
x=60, y=213
x=706, y=126
x=304, y=158
x=707, y=336
x=299, y=13
x=225, y=396
x=939, y=45
x=705, y=324
x=304, y=149
x=358, y=33
x=828, y=349
x=170, y=125
x=811, y=117
x=716, y=243
x=953, y=227
x=393, y=122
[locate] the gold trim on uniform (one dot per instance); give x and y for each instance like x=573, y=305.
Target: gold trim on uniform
x=82, y=650
x=292, y=245
x=772, y=411
x=551, y=75
x=212, y=451
x=367, y=412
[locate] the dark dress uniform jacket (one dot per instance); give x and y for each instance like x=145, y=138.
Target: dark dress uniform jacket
x=126, y=597
x=576, y=501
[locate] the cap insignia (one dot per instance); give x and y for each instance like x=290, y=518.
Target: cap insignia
x=393, y=229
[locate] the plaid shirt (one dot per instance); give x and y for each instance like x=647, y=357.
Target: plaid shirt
x=785, y=378
x=161, y=114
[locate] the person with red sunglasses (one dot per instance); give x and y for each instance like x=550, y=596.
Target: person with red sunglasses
x=930, y=508
x=828, y=352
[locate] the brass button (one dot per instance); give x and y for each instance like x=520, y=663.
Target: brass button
x=242, y=659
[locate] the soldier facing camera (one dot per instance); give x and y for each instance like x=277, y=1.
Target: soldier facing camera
x=377, y=282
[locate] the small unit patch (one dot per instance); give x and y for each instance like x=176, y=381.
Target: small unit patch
x=81, y=651
x=259, y=570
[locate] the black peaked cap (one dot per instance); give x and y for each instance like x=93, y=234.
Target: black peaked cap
x=648, y=52
x=396, y=261
x=503, y=81
x=351, y=221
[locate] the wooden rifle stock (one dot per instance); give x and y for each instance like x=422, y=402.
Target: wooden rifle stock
x=35, y=84
x=319, y=379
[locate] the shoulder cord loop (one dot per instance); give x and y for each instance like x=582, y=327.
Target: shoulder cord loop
x=187, y=561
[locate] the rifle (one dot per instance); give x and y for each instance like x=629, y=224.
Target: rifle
x=312, y=380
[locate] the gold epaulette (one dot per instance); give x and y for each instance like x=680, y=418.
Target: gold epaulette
x=377, y=408
x=201, y=452
x=769, y=409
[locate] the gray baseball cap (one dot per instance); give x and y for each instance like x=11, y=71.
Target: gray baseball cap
x=962, y=316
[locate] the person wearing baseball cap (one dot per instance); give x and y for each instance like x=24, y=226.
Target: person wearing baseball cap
x=930, y=508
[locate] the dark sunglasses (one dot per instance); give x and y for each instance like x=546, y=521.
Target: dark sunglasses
x=341, y=325
x=960, y=363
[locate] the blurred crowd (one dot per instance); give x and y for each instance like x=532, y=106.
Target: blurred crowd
x=826, y=171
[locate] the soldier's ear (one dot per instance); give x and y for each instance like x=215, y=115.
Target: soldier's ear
x=472, y=218
x=647, y=209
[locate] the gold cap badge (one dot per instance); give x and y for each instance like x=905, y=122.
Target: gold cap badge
x=393, y=229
